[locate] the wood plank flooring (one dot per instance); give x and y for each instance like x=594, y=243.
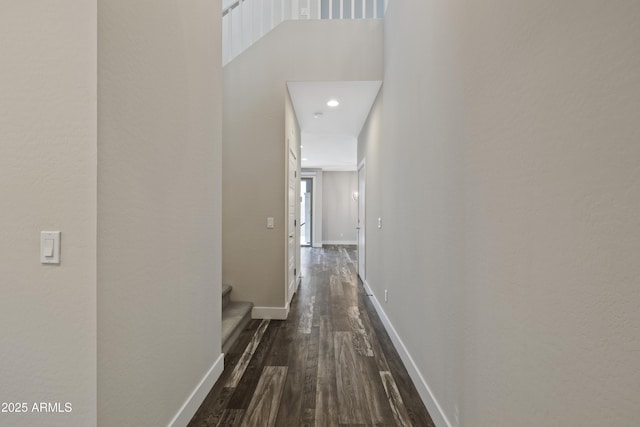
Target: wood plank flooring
x=330, y=364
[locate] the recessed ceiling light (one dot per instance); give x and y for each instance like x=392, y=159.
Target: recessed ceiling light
x=317, y=115
x=304, y=159
x=333, y=103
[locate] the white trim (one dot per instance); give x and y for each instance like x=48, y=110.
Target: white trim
x=337, y=169
x=296, y=236
x=429, y=400
x=197, y=396
x=362, y=220
x=294, y=288
x=312, y=176
x=340, y=242
x=277, y=313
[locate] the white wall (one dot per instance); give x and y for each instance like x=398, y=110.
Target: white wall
x=507, y=170
x=159, y=195
x=254, y=139
x=48, y=182
x=339, y=209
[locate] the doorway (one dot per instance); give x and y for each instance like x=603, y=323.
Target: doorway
x=291, y=226
x=306, y=211
x=361, y=220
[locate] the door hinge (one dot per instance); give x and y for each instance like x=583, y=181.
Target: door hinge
x=295, y=271
x=295, y=222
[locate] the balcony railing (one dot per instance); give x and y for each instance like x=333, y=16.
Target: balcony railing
x=246, y=21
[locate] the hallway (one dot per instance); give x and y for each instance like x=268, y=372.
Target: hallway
x=331, y=363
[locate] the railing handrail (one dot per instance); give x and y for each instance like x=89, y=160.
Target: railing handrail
x=232, y=5
x=235, y=12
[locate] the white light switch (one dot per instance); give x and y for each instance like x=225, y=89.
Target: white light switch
x=270, y=222
x=379, y=222
x=50, y=247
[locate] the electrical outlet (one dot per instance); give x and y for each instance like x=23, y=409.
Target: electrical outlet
x=386, y=295
x=304, y=11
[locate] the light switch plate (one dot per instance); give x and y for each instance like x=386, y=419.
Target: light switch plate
x=270, y=222
x=50, y=247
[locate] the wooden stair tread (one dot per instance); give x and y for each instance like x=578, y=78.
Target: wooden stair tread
x=234, y=317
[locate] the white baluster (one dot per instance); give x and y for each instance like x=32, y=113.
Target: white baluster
x=273, y=15
x=241, y=12
x=261, y=18
x=225, y=40
x=251, y=22
x=231, y=49
x=353, y=9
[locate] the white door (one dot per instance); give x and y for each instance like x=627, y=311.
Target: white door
x=361, y=222
x=291, y=225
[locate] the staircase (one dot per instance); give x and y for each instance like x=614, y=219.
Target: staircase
x=235, y=316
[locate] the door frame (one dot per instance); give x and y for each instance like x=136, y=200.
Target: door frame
x=290, y=289
x=313, y=184
x=362, y=220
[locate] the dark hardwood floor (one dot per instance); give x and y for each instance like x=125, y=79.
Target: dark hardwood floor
x=330, y=364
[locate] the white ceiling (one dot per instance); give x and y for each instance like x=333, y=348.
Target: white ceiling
x=330, y=142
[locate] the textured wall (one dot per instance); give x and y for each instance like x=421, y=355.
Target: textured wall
x=254, y=139
x=159, y=190
x=339, y=210
x=48, y=182
x=507, y=172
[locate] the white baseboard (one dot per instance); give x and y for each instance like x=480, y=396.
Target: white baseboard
x=317, y=245
x=197, y=396
x=340, y=242
x=277, y=313
x=293, y=289
x=429, y=400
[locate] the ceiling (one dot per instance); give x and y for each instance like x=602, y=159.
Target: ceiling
x=330, y=140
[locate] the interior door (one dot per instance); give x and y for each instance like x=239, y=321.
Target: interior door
x=291, y=226
x=361, y=221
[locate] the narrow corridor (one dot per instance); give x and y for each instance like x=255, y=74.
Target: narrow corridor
x=331, y=363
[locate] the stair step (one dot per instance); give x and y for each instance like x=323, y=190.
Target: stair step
x=234, y=318
x=226, y=296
